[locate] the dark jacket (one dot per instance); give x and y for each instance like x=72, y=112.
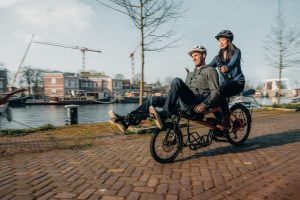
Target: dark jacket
x=204, y=82
x=234, y=68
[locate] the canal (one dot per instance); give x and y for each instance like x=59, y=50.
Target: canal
x=35, y=116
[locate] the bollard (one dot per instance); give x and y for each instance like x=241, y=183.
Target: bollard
x=72, y=114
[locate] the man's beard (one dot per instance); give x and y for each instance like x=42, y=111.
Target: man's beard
x=199, y=64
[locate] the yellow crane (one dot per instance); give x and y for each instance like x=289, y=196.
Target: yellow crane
x=10, y=87
x=82, y=49
x=133, y=64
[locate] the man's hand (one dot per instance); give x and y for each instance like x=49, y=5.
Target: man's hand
x=223, y=69
x=200, y=108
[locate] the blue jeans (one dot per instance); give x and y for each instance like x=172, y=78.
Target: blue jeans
x=180, y=97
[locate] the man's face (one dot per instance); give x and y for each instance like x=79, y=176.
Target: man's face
x=197, y=58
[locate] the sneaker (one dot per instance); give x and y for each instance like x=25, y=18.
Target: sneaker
x=118, y=120
x=159, y=117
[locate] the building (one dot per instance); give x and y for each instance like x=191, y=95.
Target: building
x=104, y=82
x=88, y=84
x=71, y=84
x=270, y=88
x=60, y=84
x=54, y=84
x=3, y=79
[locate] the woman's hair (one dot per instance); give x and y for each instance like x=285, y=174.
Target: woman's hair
x=230, y=51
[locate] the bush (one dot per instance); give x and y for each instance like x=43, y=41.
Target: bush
x=286, y=106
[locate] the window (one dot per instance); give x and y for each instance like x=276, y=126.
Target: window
x=53, y=80
x=1, y=84
x=269, y=85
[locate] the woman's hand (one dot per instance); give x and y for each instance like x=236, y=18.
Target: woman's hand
x=200, y=108
x=223, y=69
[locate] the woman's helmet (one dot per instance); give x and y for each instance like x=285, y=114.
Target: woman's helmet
x=200, y=49
x=225, y=33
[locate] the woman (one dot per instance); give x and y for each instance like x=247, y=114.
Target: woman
x=232, y=80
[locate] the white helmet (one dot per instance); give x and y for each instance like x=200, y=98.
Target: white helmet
x=200, y=49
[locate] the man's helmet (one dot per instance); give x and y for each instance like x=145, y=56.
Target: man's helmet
x=225, y=33
x=200, y=49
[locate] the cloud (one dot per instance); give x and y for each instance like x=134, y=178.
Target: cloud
x=62, y=15
x=9, y=3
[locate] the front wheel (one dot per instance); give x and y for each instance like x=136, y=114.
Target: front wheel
x=240, y=125
x=166, y=144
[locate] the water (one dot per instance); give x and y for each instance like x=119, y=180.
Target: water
x=35, y=116
x=269, y=101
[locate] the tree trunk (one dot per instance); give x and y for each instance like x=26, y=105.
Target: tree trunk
x=28, y=87
x=142, y=55
x=279, y=82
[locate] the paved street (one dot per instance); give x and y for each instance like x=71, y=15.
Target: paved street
x=121, y=167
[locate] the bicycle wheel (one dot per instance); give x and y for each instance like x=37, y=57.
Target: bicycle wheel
x=166, y=144
x=240, y=125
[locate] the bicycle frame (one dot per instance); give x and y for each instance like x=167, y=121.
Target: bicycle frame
x=212, y=127
x=172, y=140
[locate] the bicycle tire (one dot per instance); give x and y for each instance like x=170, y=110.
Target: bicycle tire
x=155, y=153
x=244, y=112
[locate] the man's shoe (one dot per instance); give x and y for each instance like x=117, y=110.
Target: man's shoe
x=157, y=117
x=118, y=120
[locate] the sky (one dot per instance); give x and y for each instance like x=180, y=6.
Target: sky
x=88, y=24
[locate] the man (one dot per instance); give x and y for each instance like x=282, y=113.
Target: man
x=199, y=92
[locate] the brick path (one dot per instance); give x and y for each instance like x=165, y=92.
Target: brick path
x=266, y=167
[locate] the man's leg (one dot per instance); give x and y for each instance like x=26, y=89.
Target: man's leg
x=140, y=113
x=179, y=90
x=157, y=101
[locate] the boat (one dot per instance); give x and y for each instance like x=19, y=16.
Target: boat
x=295, y=100
x=17, y=101
x=62, y=101
x=132, y=97
x=4, y=109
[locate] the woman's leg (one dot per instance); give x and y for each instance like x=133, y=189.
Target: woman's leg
x=226, y=91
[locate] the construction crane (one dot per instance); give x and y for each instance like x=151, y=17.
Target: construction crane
x=82, y=49
x=10, y=87
x=132, y=63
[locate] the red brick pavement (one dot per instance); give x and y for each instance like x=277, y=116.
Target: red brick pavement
x=266, y=167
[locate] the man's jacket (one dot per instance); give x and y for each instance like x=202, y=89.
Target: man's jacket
x=204, y=82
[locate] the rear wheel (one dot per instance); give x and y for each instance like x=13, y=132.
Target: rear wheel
x=240, y=125
x=166, y=144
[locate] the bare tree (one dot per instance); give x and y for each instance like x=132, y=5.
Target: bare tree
x=31, y=77
x=282, y=46
x=151, y=18
x=168, y=80
x=119, y=76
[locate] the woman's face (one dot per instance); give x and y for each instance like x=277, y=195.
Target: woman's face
x=223, y=42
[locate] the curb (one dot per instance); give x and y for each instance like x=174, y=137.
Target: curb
x=282, y=109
